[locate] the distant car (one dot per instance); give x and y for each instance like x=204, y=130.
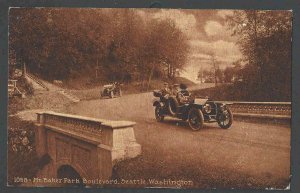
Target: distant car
x=111, y=90
x=196, y=111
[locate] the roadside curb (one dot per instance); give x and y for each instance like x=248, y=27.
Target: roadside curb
x=262, y=116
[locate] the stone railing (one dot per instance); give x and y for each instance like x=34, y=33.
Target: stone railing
x=118, y=136
x=82, y=125
x=262, y=109
x=35, y=79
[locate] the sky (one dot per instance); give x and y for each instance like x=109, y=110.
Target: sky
x=206, y=33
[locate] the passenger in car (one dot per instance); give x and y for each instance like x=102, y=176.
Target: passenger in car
x=183, y=95
x=175, y=89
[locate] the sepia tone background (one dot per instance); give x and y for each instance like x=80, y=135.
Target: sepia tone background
x=228, y=55
x=90, y=46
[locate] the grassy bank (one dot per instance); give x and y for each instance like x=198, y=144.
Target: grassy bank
x=239, y=92
x=90, y=93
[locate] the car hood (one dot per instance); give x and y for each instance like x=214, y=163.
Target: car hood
x=200, y=101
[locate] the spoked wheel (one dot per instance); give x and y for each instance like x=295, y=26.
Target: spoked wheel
x=225, y=119
x=195, y=119
x=158, y=113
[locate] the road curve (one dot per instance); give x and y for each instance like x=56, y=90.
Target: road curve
x=258, y=150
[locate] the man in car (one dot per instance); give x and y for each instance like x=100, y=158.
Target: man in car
x=183, y=96
x=166, y=90
x=175, y=89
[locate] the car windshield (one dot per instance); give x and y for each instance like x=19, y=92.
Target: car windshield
x=107, y=86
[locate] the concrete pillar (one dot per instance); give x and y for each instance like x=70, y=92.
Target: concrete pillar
x=124, y=143
x=133, y=149
x=104, y=162
x=40, y=136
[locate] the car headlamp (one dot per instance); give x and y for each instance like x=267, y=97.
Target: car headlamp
x=207, y=108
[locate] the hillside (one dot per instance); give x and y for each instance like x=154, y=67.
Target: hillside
x=92, y=91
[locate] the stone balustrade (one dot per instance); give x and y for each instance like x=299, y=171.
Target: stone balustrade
x=273, y=108
x=281, y=110
x=91, y=146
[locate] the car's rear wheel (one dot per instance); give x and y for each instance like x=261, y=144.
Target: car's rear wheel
x=195, y=119
x=225, y=119
x=158, y=113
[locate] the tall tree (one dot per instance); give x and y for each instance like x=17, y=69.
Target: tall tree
x=116, y=43
x=215, y=67
x=265, y=41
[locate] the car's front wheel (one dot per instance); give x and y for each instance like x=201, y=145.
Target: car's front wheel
x=195, y=119
x=225, y=119
x=158, y=113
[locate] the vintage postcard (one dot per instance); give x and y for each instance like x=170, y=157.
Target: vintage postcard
x=149, y=98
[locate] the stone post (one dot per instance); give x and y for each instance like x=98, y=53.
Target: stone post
x=40, y=136
x=124, y=144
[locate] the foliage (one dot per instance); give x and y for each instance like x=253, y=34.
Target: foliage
x=265, y=41
x=108, y=44
x=237, y=91
x=20, y=140
x=213, y=75
x=233, y=73
x=22, y=159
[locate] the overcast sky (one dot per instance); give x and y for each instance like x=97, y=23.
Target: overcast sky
x=206, y=33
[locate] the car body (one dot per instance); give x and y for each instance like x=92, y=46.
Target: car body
x=196, y=111
x=111, y=90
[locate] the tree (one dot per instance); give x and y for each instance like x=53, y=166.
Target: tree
x=165, y=48
x=200, y=75
x=116, y=44
x=234, y=72
x=265, y=41
x=215, y=67
x=228, y=74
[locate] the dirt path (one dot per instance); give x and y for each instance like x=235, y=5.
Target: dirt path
x=246, y=155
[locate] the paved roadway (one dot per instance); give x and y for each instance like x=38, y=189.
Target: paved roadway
x=259, y=151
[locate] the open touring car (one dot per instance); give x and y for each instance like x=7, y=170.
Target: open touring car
x=196, y=111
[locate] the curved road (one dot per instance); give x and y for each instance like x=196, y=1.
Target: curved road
x=246, y=155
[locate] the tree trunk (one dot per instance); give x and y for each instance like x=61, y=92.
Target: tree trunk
x=150, y=76
x=24, y=70
x=256, y=49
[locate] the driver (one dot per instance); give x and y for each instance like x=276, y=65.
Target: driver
x=166, y=90
x=113, y=85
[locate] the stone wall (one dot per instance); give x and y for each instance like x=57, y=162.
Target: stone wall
x=91, y=146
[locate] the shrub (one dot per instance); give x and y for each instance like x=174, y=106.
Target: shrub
x=22, y=158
